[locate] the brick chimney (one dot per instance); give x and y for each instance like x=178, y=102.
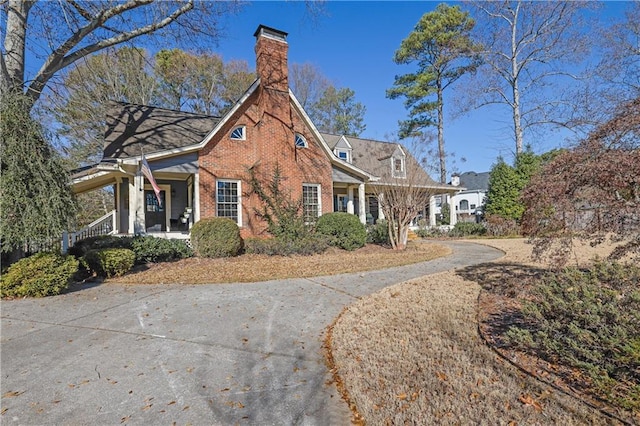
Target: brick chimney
x=271, y=58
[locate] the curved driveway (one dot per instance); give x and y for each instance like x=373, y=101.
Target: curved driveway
x=203, y=354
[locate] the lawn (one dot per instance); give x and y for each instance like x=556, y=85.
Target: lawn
x=412, y=353
x=254, y=268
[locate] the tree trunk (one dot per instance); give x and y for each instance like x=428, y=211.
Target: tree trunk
x=14, y=45
x=515, y=71
x=441, y=152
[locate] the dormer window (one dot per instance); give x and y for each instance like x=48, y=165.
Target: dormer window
x=344, y=154
x=398, y=167
x=239, y=133
x=300, y=141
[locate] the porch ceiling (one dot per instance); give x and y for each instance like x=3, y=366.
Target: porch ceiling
x=93, y=181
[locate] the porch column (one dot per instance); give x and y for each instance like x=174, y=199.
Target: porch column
x=118, y=199
x=138, y=225
x=453, y=217
x=350, y=208
x=133, y=191
x=362, y=209
x=432, y=210
x=196, y=198
x=380, y=212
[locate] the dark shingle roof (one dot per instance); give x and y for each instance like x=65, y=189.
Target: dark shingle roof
x=131, y=126
x=373, y=157
x=475, y=181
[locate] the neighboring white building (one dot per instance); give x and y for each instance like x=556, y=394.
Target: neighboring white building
x=469, y=202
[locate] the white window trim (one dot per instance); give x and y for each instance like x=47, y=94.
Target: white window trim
x=244, y=133
x=346, y=151
x=295, y=141
x=317, y=185
x=239, y=182
x=403, y=165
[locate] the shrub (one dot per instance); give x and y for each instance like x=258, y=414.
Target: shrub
x=216, y=237
x=81, y=247
x=378, y=233
x=463, y=229
x=500, y=227
x=43, y=274
x=588, y=319
x=153, y=249
x=110, y=262
x=343, y=230
x=312, y=244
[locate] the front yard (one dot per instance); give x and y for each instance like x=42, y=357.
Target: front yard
x=412, y=353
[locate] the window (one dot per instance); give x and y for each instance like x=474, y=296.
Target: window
x=301, y=142
x=398, y=167
x=473, y=206
x=464, y=205
x=239, y=133
x=311, y=202
x=228, y=200
x=344, y=154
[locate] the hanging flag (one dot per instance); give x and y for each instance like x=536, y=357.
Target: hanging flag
x=146, y=171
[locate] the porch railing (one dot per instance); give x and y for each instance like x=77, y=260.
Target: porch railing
x=102, y=226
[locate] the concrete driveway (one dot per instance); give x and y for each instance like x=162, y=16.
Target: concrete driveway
x=175, y=354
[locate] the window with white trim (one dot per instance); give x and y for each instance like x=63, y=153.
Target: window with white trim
x=397, y=167
x=464, y=205
x=228, y=200
x=300, y=141
x=311, y=202
x=239, y=133
x=344, y=154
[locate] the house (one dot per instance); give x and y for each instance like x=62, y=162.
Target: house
x=468, y=202
x=202, y=163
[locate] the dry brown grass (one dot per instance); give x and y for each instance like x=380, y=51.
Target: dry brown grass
x=254, y=268
x=412, y=354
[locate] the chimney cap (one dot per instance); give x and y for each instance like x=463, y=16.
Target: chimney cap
x=263, y=30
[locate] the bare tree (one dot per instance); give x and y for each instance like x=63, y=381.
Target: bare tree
x=74, y=29
x=530, y=47
x=307, y=83
x=402, y=195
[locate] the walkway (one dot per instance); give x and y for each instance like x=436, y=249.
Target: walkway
x=203, y=354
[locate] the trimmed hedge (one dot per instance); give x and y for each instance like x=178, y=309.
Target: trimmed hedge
x=344, y=230
x=43, y=274
x=154, y=249
x=110, y=262
x=216, y=237
x=307, y=246
x=80, y=248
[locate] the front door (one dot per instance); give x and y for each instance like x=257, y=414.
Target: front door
x=155, y=215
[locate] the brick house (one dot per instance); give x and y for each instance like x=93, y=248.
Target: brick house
x=202, y=163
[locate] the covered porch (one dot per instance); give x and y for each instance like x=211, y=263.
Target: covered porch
x=137, y=210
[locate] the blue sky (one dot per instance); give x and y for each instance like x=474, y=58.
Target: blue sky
x=353, y=43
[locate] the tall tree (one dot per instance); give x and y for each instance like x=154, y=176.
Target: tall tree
x=503, y=192
x=201, y=83
x=36, y=202
x=338, y=112
x=442, y=48
x=80, y=104
x=72, y=30
x=307, y=83
x=529, y=48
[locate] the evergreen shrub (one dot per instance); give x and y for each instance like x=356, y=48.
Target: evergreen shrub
x=43, y=274
x=588, y=319
x=378, y=233
x=110, y=262
x=312, y=244
x=81, y=247
x=216, y=237
x=464, y=229
x=343, y=230
x=154, y=249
